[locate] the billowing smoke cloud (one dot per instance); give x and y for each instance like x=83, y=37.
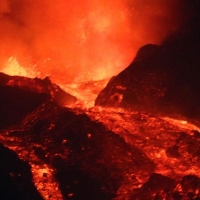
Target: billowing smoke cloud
x=83, y=39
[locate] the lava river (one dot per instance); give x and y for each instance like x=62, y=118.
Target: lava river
x=105, y=153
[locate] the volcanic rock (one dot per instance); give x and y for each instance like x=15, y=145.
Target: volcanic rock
x=40, y=86
x=190, y=183
x=102, y=153
x=15, y=177
x=20, y=96
x=161, y=80
x=106, y=154
x=162, y=187
x=158, y=182
x=157, y=187
x=16, y=103
x=90, y=161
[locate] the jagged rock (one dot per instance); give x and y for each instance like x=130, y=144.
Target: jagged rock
x=15, y=177
x=158, y=182
x=107, y=154
x=162, y=187
x=37, y=85
x=90, y=161
x=16, y=103
x=191, y=183
x=21, y=95
x=189, y=144
x=157, y=187
x=161, y=79
x=173, y=151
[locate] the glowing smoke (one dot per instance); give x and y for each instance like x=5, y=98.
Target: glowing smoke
x=83, y=39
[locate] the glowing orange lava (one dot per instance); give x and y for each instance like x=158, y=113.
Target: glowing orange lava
x=82, y=40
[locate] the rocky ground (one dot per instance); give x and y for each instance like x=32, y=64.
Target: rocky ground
x=98, y=153
x=162, y=79
x=138, y=143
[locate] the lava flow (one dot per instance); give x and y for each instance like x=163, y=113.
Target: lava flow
x=70, y=131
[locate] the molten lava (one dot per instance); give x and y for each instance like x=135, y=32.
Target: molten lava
x=12, y=67
x=83, y=151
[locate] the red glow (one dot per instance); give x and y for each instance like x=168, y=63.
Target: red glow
x=82, y=40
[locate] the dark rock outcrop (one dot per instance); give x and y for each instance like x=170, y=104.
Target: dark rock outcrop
x=163, y=187
x=15, y=177
x=162, y=79
x=190, y=184
x=15, y=104
x=19, y=96
x=157, y=187
x=40, y=86
x=90, y=161
x=121, y=156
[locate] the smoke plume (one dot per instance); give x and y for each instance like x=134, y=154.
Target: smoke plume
x=83, y=39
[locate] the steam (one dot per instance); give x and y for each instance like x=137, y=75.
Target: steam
x=83, y=39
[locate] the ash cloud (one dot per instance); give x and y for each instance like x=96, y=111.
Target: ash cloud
x=189, y=31
x=85, y=39
x=152, y=21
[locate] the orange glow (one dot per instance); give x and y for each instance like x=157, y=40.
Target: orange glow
x=157, y=129
x=80, y=45
x=12, y=67
x=82, y=40
x=182, y=124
